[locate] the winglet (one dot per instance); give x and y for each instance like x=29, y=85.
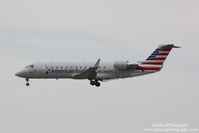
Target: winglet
x=97, y=64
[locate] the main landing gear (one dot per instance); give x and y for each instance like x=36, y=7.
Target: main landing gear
x=95, y=82
x=27, y=82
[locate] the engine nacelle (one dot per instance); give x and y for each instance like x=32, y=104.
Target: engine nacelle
x=121, y=65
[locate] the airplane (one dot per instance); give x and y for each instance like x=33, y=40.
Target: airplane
x=99, y=71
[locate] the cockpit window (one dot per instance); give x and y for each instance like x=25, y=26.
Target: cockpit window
x=30, y=66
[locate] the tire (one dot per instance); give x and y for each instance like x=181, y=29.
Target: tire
x=97, y=84
x=92, y=82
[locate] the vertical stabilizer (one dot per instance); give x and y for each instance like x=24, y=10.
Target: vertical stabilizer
x=156, y=59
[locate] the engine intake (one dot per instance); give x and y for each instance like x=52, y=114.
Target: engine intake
x=121, y=65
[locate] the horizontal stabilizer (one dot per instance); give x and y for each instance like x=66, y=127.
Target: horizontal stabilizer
x=168, y=46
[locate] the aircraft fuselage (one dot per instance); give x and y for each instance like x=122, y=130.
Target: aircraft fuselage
x=98, y=71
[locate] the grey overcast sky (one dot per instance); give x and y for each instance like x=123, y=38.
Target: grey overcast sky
x=62, y=30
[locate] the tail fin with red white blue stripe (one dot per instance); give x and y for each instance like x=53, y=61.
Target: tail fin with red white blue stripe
x=156, y=59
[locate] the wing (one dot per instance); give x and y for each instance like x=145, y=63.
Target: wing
x=89, y=73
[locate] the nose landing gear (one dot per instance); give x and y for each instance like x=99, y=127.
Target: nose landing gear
x=96, y=83
x=27, y=80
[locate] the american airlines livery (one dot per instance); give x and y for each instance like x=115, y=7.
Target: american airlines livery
x=99, y=71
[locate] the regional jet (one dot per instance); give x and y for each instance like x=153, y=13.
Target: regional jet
x=97, y=71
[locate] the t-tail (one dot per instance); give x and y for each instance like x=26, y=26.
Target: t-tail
x=156, y=60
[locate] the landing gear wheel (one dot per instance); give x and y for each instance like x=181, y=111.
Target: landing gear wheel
x=92, y=82
x=27, y=80
x=97, y=84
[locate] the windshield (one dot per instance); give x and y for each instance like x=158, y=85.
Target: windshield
x=30, y=66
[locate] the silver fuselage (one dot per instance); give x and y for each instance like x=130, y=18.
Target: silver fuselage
x=57, y=70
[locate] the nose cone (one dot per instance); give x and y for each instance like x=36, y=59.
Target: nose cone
x=20, y=74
